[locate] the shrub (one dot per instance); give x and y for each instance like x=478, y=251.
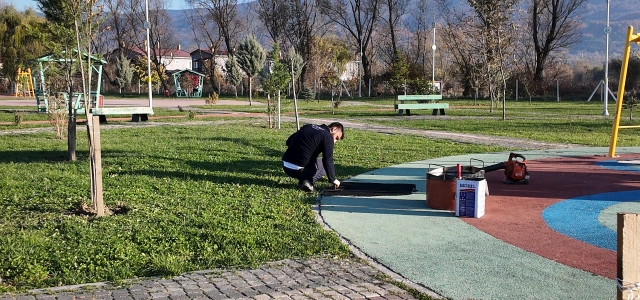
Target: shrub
x=212, y=99
x=57, y=115
x=17, y=118
x=307, y=94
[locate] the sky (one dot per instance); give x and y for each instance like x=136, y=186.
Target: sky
x=23, y=4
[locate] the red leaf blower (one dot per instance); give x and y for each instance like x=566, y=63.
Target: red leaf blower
x=515, y=169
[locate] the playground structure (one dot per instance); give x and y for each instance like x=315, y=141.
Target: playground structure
x=24, y=84
x=623, y=79
x=192, y=84
x=77, y=99
x=42, y=95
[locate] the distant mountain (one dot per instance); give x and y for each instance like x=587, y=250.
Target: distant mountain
x=622, y=14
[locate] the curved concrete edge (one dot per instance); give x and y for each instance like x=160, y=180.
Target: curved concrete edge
x=372, y=261
x=381, y=213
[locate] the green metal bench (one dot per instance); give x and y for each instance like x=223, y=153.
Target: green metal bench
x=409, y=102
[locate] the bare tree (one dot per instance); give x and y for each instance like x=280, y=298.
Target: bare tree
x=419, y=49
x=459, y=37
x=274, y=14
x=206, y=34
x=225, y=14
x=358, y=18
x=305, y=25
x=392, y=13
x=493, y=17
x=555, y=25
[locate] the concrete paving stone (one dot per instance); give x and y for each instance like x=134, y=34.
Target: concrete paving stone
x=261, y=297
x=120, y=292
x=356, y=287
x=208, y=288
x=280, y=287
x=175, y=289
x=119, y=298
x=156, y=288
x=299, y=297
x=84, y=296
x=262, y=289
x=158, y=295
x=393, y=297
x=293, y=293
x=193, y=291
x=254, y=282
x=249, y=292
x=179, y=297
x=190, y=286
x=307, y=291
x=354, y=296
x=278, y=295
x=139, y=296
x=25, y=297
x=317, y=296
x=232, y=293
x=218, y=296
x=239, y=283
x=369, y=294
x=224, y=287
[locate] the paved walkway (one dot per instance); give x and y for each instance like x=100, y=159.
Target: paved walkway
x=287, y=279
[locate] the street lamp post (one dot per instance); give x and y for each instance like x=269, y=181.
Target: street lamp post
x=607, y=30
x=433, y=56
x=147, y=25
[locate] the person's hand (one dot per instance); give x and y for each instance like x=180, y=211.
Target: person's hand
x=336, y=183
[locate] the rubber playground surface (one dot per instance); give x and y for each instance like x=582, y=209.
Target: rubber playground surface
x=554, y=238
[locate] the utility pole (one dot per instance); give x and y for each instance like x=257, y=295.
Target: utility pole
x=433, y=56
x=607, y=30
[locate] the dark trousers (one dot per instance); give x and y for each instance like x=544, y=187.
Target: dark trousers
x=311, y=172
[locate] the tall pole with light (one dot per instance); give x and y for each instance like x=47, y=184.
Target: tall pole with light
x=433, y=56
x=147, y=26
x=607, y=30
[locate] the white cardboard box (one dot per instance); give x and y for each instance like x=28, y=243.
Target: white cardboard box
x=470, y=197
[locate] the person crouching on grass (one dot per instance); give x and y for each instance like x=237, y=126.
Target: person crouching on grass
x=302, y=161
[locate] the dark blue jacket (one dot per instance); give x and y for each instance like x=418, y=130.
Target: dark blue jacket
x=306, y=145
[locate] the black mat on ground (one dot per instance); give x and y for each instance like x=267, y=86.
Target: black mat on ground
x=370, y=189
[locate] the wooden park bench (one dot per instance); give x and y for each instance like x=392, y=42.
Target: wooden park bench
x=409, y=102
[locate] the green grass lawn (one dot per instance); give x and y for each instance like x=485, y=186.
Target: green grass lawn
x=201, y=196
x=189, y=198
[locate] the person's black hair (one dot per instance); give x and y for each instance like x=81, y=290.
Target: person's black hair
x=339, y=126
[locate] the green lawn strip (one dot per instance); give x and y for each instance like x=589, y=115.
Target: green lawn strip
x=193, y=197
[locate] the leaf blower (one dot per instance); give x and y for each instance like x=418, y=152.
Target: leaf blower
x=515, y=169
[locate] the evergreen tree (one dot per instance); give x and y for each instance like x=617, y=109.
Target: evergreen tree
x=232, y=73
x=251, y=57
x=399, y=72
x=124, y=72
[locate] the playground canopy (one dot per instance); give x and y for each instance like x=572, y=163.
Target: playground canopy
x=188, y=83
x=95, y=77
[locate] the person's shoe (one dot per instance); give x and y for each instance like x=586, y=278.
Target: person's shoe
x=306, y=186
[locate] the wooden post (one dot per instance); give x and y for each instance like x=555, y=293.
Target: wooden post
x=628, y=249
x=97, y=159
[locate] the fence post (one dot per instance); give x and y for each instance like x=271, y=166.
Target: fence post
x=628, y=248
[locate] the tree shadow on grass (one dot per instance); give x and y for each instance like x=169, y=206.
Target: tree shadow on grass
x=33, y=156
